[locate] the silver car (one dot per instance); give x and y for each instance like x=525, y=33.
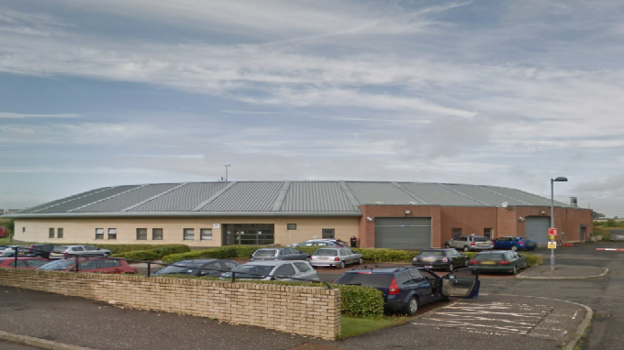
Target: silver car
x=279, y=254
x=81, y=250
x=281, y=270
x=336, y=257
x=470, y=243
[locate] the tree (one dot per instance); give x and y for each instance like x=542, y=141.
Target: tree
x=9, y=224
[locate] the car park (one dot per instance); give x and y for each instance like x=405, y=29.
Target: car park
x=78, y=250
x=335, y=257
x=514, y=243
x=405, y=289
x=10, y=251
x=470, y=243
x=199, y=268
x=279, y=254
x=320, y=243
x=23, y=262
x=498, y=261
x=282, y=270
x=90, y=265
x=447, y=259
x=33, y=250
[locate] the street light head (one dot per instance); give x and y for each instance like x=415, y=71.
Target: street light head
x=561, y=179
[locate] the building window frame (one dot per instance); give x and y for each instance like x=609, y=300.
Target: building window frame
x=488, y=232
x=328, y=233
x=456, y=232
x=158, y=234
x=112, y=233
x=59, y=232
x=51, y=232
x=141, y=234
x=291, y=227
x=205, y=234
x=99, y=233
x=188, y=234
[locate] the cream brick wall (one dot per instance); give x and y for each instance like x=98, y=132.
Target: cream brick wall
x=83, y=230
x=312, y=311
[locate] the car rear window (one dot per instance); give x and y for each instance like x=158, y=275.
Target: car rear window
x=58, y=265
x=375, y=280
x=253, y=271
x=431, y=253
x=265, y=253
x=326, y=252
x=182, y=268
x=59, y=249
x=481, y=239
x=489, y=256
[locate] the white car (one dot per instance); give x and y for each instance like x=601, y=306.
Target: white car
x=281, y=270
x=321, y=242
x=81, y=250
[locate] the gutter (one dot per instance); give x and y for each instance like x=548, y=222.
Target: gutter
x=179, y=215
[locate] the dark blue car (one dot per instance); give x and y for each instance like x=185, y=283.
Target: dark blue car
x=406, y=288
x=514, y=243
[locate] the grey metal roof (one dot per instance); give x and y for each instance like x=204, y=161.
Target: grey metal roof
x=274, y=198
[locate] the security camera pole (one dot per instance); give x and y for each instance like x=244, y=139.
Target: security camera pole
x=552, y=232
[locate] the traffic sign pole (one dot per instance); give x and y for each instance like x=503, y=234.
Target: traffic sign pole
x=552, y=245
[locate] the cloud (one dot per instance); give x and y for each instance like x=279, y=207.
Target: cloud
x=6, y=115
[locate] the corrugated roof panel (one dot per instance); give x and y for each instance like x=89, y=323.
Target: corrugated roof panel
x=379, y=193
x=491, y=198
x=183, y=199
x=245, y=197
x=79, y=202
x=123, y=201
x=321, y=197
x=60, y=201
x=532, y=199
x=436, y=194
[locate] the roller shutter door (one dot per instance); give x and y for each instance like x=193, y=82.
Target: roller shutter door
x=537, y=229
x=403, y=233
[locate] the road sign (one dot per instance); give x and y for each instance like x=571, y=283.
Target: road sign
x=552, y=231
x=552, y=237
x=552, y=245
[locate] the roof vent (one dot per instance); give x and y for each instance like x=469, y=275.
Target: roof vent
x=574, y=201
x=379, y=202
x=413, y=202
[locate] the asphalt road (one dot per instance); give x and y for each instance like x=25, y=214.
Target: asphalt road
x=6, y=345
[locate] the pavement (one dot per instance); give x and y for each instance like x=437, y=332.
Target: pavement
x=493, y=321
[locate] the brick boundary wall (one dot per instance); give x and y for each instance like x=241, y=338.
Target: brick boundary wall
x=312, y=311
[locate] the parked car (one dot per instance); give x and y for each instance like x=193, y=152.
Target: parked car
x=58, y=252
x=514, y=243
x=200, y=268
x=23, y=262
x=10, y=251
x=498, y=261
x=279, y=254
x=405, y=289
x=470, y=243
x=320, y=243
x=282, y=270
x=34, y=250
x=80, y=250
x=336, y=257
x=91, y=265
x=448, y=258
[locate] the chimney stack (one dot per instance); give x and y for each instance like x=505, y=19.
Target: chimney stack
x=573, y=202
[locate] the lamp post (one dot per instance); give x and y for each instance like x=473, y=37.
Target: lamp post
x=552, y=213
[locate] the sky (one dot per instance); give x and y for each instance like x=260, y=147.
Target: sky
x=493, y=92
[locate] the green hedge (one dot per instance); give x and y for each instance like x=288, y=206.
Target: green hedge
x=226, y=252
x=155, y=253
x=375, y=254
x=532, y=259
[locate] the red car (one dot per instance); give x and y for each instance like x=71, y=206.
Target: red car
x=23, y=263
x=91, y=265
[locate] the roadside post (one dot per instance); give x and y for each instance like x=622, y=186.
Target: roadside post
x=552, y=245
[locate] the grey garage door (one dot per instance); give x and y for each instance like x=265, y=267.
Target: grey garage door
x=403, y=233
x=537, y=229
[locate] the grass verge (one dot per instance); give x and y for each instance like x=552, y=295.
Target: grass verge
x=352, y=326
x=5, y=241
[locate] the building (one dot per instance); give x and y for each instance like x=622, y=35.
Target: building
x=404, y=215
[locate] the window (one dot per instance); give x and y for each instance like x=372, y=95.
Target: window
x=488, y=232
x=51, y=232
x=112, y=233
x=99, y=233
x=291, y=226
x=230, y=264
x=456, y=232
x=141, y=234
x=329, y=233
x=59, y=232
x=23, y=229
x=285, y=270
x=205, y=234
x=157, y=234
x=189, y=234
x=103, y=264
x=303, y=267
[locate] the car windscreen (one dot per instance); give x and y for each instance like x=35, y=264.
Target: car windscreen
x=264, y=253
x=326, y=252
x=252, y=271
x=431, y=253
x=374, y=280
x=58, y=265
x=489, y=257
x=181, y=267
x=481, y=239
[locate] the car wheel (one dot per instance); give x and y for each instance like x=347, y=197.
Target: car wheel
x=451, y=267
x=514, y=248
x=341, y=265
x=466, y=248
x=412, y=306
x=361, y=261
x=515, y=270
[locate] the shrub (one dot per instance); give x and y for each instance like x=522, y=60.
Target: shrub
x=154, y=253
x=386, y=255
x=533, y=260
x=225, y=252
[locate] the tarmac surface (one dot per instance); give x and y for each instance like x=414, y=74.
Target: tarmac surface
x=496, y=320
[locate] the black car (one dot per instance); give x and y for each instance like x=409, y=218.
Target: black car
x=446, y=258
x=200, y=268
x=34, y=250
x=406, y=288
